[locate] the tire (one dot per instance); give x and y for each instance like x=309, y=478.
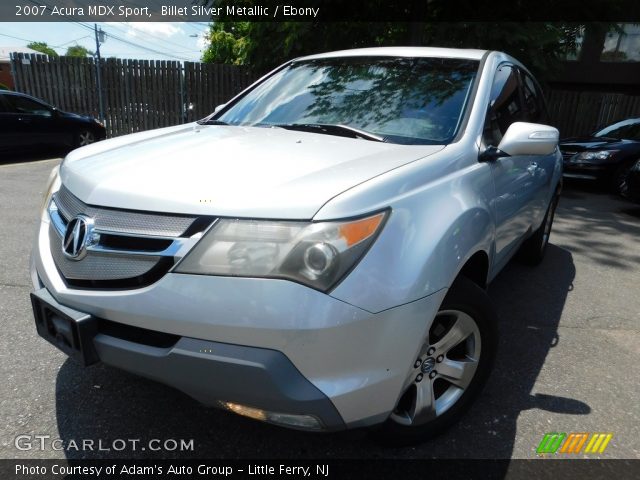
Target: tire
x=84, y=137
x=464, y=335
x=618, y=182
x=534, y=248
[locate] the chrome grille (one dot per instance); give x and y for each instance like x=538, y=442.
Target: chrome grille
x=127, y=249
x=99, y=266
x=122, y=221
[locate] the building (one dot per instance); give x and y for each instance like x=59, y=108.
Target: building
x=600, y=84
x=608, y=60
x=5, y=64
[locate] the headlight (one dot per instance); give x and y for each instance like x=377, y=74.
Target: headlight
x=599, y=155
x=53, y=185
x=317, y=254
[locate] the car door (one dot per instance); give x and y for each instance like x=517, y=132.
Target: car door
x=32, y=120
x=512, y=175
x=8, y=125
x=535, y=111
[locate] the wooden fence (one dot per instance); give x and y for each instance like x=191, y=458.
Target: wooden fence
x=137, y=94
x=580, y=112
x=144, y=94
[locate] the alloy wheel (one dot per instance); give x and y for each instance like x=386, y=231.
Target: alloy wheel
x=85, y=138
x=444, y=369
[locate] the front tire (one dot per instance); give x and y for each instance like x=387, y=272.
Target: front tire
x=453, y=365
x=84, y=137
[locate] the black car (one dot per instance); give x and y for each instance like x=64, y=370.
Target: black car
x=27, y=123
x=606, y=155
x=631, y=187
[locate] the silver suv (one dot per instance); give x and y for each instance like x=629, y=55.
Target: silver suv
x=315, y=253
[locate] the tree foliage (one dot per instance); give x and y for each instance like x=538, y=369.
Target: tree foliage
x=42, y=47
x=228, y=43
x=264, y=45
x=77, y=51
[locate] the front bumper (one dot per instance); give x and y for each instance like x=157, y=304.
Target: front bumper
x=587, y=171
x=211, y=372
x=298, y=350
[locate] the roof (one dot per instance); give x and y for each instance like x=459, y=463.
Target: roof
x=5, y=51
x=403, y=52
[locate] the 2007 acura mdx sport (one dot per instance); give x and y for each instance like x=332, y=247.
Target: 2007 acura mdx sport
x=315, y=253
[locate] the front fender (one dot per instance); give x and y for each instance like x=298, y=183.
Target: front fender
x=432, y=231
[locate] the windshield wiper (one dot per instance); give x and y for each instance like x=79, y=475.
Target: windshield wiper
x=330, y=129
x=211, y=122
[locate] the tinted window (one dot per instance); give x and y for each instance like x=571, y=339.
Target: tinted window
x=505, y=105
x=405, y=100
x=535, y=111
x=627, y=129
x=26, y=105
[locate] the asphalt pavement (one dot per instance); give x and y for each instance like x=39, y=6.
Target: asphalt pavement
x=569, y=357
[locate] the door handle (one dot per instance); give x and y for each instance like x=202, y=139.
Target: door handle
x=533, y=166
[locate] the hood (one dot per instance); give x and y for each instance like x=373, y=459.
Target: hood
x=579, y=144
x=228, y=170
x=74, y=115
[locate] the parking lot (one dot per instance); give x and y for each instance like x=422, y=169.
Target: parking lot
x=569, y=357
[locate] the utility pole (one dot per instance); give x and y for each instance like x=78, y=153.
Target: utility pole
x=99, y=39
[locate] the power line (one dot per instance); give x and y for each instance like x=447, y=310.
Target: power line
x=155, y=37
x=170, y=54
x=17, y=38
x=71, y=41
x=122, y=40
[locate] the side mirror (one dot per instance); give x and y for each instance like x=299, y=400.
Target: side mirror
x=219, y=107
x=523, y=138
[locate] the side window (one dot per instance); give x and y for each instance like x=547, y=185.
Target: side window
x=26, y=105
x=535, y=110
x=505, y=105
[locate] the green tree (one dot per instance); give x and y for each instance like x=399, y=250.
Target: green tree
x=228, y=43
x=264, y=45
x=77, y=51
x=42, y=47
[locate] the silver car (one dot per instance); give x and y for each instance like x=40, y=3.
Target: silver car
x=315, y=253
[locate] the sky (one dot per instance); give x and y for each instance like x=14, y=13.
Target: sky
x=139, y=40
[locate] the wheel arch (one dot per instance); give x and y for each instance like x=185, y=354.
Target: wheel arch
x=476, y=269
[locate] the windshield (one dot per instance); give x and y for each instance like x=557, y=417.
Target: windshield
x=403, y=100
x=627, y=129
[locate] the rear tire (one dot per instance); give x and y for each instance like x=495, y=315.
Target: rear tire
x=534, y=248
x=464, y=337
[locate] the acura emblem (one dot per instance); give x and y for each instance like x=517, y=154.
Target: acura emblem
x=428, y=365
x=78, y=234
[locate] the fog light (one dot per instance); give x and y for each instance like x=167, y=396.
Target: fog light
x=245, y=411
x=306, y=422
